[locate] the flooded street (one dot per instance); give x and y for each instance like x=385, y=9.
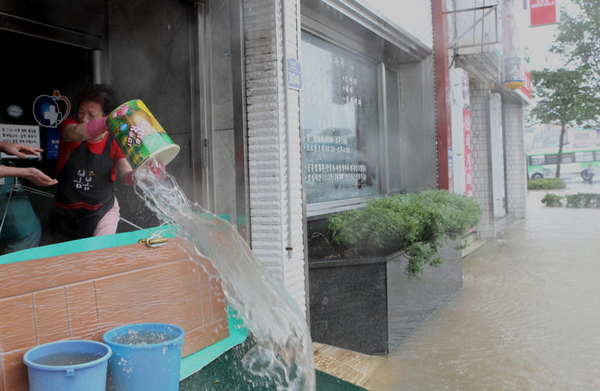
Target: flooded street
x=527, y=318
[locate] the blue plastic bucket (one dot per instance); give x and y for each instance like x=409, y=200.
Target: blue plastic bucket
x=146, y=356
x=68, y=366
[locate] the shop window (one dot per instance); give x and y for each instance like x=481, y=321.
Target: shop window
x=340, y=123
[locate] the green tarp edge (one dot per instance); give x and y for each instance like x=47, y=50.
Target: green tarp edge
x=82, y=245
x=195, y=362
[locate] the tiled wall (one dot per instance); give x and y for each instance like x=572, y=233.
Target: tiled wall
x=267, y=142
x=482, y=169
x=516, y=175
x=83, y=295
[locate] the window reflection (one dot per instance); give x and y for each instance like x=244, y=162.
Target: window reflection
x=340, y=123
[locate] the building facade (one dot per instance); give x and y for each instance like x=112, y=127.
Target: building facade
x=289, y=111
x=285, y=110
x=484, y=49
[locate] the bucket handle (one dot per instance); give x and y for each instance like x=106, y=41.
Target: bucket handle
x=70, y=372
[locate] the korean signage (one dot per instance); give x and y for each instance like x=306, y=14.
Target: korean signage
x=512, y=55
x=468, y=153
x=543, y=12
x=526, y=87
x=339, y=122
x=294, y=74
x=450, y=170
x=21, y=134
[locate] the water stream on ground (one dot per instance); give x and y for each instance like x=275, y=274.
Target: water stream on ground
x=283, y=348
x=527, y=318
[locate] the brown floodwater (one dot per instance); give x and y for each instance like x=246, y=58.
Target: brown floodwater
x=528, y=317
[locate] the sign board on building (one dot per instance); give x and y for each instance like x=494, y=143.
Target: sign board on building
x=512, y=54
x=526, y=87
x=543, y=12
x=52, y=137
x=460, y=111
x=468, y=151
x=450, y=170
x=294, y=73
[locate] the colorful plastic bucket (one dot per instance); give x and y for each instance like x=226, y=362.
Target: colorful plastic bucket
x=68, y=366
x=139, y=134
x=146, y=356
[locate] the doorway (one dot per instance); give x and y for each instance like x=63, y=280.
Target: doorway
x=37, y=69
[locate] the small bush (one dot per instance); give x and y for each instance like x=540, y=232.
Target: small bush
x=583, y=200
x=552, y=200
x=414, y=223
x=546, y=184
x=579, y=200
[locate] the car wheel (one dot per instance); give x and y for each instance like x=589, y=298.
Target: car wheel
x=537, y=175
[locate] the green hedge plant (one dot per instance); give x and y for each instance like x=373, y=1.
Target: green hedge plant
x=583, y=200
x=546, y=184
x=416, y=224
x=579, y=200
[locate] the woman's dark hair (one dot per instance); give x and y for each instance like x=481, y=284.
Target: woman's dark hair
x=99, y=93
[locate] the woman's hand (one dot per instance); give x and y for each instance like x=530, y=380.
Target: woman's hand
x=19, y=150
x=32, y=174
x=37, y=177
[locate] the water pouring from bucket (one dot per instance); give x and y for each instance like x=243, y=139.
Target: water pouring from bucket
x=282, y=351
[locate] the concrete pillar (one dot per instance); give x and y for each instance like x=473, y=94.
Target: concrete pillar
x=482, y=162
x=516, y=168
x=273, y=114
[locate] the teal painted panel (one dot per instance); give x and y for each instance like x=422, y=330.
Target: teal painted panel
x=87, y=244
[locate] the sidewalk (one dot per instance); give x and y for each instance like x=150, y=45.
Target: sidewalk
x=353, y=367
x=471, y=244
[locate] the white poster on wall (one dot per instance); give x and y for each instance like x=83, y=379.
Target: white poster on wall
x=460, y=112
x=28, y=135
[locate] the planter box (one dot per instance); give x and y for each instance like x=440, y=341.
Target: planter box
x=348, y=303
x=370, y=306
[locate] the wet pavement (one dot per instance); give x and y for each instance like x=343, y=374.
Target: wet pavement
x=527, y=318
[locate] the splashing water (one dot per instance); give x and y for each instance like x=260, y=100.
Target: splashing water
x=283, y=350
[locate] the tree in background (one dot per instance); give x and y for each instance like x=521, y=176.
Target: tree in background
x=578, y=39
x=564, y=97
